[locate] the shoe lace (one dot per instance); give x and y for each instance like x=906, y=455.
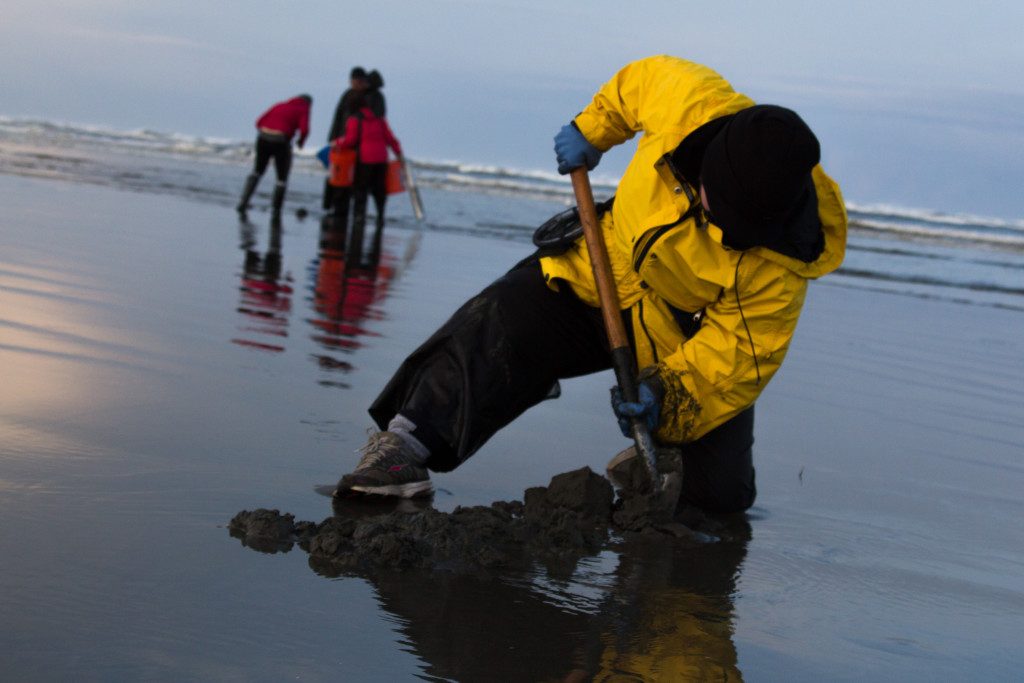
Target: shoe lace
x=375, y=449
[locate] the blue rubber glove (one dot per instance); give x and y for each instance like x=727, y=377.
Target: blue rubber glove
x=572, y=150
x=647, y=408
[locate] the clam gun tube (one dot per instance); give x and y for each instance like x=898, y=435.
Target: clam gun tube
x=414, y=192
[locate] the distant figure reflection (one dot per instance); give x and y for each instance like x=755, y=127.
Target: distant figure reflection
x=266, y=295
x=346, y=292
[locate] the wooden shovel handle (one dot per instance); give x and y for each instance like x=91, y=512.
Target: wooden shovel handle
x=606, y=291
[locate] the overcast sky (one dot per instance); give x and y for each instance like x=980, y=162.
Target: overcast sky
x=917, y=103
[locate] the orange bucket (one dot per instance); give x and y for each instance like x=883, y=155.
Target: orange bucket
x=343, y=166
x=393, y=180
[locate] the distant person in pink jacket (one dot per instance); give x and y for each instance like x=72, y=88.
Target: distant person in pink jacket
x=370, y=135
x=276, y=127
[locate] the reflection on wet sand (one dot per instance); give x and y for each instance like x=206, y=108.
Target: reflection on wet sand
x=670, y=613
x=346, y=292
x=266, y=295
x=647, y=609
x=666, y=616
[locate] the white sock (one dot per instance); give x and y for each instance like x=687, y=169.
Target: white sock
x=403, y=427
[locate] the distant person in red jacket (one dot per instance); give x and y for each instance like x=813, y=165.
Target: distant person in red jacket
x=277, y=126
x=370, y=135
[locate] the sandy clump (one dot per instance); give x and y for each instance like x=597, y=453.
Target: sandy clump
x=575, y=515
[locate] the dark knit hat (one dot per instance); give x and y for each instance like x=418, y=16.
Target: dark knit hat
x=358, y=72
x=756, y=173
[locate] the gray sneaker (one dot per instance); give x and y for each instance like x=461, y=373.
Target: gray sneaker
x=387, y=468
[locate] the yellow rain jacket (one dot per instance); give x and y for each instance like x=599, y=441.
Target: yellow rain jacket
x=746, y=302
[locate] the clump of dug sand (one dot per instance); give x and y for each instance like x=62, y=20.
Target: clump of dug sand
x=572, y=516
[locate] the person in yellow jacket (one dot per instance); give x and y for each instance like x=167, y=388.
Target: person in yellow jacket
x=722, y=216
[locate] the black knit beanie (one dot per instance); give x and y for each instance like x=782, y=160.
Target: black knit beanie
x=756, y=173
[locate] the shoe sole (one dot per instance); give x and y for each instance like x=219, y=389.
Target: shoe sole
x=412, y=490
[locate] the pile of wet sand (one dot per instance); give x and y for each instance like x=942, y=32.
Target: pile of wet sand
x=576, y=514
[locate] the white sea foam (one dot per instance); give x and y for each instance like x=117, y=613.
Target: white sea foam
x=897, y=222
x=930, y=216
x=952, y=233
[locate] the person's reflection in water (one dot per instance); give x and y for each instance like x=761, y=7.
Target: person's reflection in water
x=475, y=627
x=669, y=615
x=345, y=294
x=666, y=613
x=266, y=294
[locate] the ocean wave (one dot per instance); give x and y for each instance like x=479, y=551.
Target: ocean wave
x=926, y=216
x=955, y=232
x=896, y=222
x=26, y=130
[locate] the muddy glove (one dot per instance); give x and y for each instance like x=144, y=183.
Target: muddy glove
x=572, y=150
x=647, y=407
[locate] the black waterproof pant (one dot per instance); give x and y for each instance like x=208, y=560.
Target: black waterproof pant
x=503, y=351
x=278, y=149
x=370, y=181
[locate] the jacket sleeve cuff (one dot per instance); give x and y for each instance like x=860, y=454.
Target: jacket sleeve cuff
x=680, y=410
x=590, y=126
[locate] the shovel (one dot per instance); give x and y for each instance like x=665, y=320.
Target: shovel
x=665, y=487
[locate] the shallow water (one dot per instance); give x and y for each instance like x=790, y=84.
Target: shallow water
x=157, y=378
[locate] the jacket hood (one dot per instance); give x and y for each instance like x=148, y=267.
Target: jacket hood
x=802, y=245
x=831, y=218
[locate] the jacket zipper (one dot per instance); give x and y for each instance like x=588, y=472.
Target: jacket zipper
x=657, y=233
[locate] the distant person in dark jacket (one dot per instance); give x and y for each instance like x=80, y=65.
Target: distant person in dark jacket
x=276, y=127
x=374, y=97
x=371, y=137
x=359, y=83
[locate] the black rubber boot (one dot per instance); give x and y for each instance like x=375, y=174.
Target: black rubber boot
x=250, y=187
x=278, y=202
x=328, y=198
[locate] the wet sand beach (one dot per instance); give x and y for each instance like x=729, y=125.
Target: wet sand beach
x=164, y=366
